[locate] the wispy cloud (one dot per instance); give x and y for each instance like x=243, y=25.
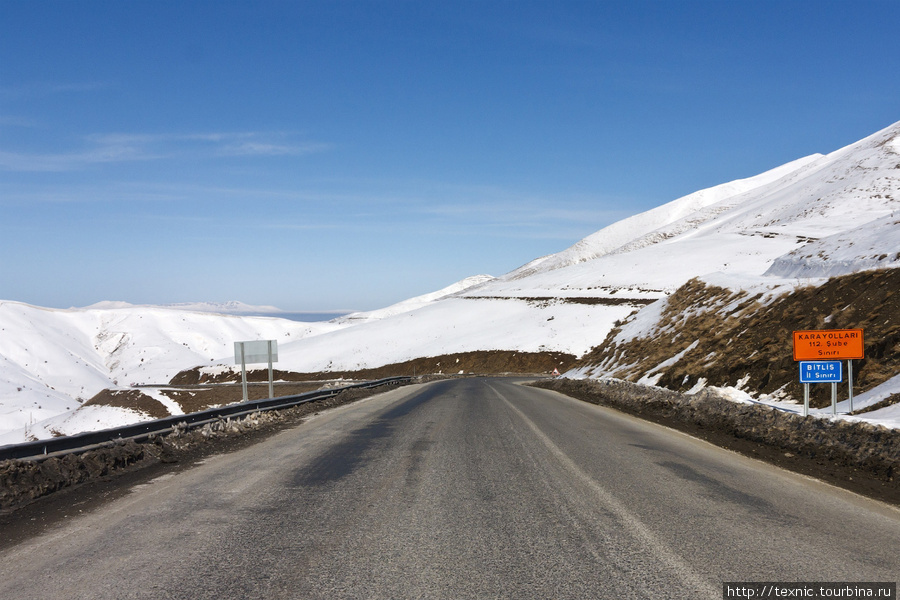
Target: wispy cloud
x=16, y=161
x=355, y=208
x=122, y=147
x=504, y=209
x=35, y=89
x=242, y=143
x=16, y=121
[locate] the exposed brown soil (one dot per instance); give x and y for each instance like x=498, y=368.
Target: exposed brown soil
x=739, y=338
x=196, y=398
x=856, y=456
x=131, y=399
x=482, y=362
x=201, y=398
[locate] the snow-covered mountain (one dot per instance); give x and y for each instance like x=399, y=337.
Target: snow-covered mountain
x=815, y=217
x=741, y=228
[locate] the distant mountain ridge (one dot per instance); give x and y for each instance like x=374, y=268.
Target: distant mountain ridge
x=222, y=308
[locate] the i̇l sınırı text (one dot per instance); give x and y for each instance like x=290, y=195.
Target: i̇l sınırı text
x=757, y=590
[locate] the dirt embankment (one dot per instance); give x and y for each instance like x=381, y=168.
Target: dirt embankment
x=856, y=456
x=482, y=362
x=737, y=337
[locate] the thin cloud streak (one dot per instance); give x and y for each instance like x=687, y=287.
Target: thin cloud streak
x=36, y=89
x=498, y=213
x=119, y=147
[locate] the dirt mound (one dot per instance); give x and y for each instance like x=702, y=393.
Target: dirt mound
x=857, y=456
x=729, y=337
x=131, y=399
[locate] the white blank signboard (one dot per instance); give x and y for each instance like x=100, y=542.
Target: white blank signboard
x=256, y=351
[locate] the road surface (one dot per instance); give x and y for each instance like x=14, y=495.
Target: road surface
x=470, y=488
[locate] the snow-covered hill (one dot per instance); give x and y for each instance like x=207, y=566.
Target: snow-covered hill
x=649, y=227
x=52, y=360
x=740, y=228
x=416, y=303
x=818, y=216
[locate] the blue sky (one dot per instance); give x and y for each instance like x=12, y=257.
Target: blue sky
x=348, y=155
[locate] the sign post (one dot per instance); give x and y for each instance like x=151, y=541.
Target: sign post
x=805, y=399
x=828, y=346
x=850, y=382
x=258, y=351
x=820, y=371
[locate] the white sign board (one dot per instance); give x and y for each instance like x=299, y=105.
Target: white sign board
x=256, y=351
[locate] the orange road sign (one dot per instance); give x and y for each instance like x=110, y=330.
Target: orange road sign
x=828, y=344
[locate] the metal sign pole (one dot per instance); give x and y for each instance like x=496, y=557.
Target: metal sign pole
x=244, y=373
x=850, y=380
x=271, y=381
x=805, y=399
x=255, y=352
x=834, y=398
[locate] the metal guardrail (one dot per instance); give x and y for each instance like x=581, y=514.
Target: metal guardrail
x=82, y=442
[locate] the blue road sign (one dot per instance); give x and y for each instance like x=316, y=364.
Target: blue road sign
x=821, y=371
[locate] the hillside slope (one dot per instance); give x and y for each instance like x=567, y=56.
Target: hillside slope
x=758, y=238
x=705, y=334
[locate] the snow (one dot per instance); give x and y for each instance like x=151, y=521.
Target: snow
x=418, y=302
x=457, y=324
x=86, y=418
x=173, y=407
x=889, y=415
x=886, y=417
x=644, y=227
x=870, y=246
x=812, y=218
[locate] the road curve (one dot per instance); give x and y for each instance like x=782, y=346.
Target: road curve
x=470, y=488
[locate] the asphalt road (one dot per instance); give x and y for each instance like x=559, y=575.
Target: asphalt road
x=472, y=488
